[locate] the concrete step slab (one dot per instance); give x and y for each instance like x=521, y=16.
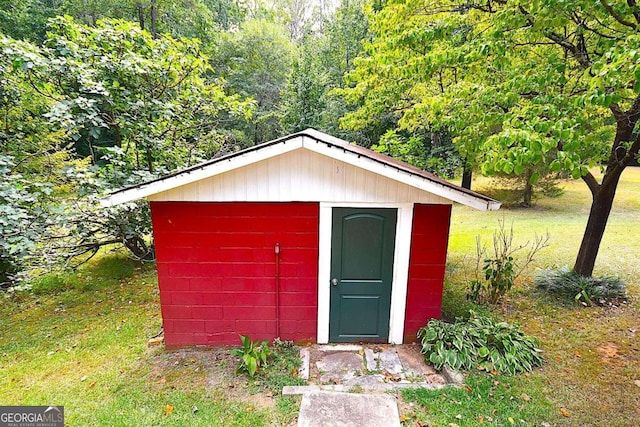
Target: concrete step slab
x=321, y=409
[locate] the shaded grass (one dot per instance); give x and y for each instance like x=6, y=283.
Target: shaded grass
x=81, y=343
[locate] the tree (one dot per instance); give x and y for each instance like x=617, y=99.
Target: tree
x=134, y=106
x=324, y=57
x=517, y=83
x=31, y=156
x=255, y=61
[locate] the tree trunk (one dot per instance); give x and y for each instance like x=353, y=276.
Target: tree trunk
x=528, y=190
x=596, y=224
x=467, y=174
x=154, y=19
x=140, y=15
x=621, y=156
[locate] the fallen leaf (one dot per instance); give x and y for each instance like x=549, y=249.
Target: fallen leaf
x=469, y=388
x=526, y=397
x=294, y=372
x=637, y=382
x=83, y=378
x=608, y=350
x=361, y=352
x=511, y=420
x=481, y=420
x=168, y=410
x=564, y=412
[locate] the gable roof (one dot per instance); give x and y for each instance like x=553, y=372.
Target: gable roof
x=318, y=142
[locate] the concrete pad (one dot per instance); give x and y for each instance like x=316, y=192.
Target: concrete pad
x=340, y=347
x=321, y=409
x=339, y=367
x=366, y=382
x=389, y=361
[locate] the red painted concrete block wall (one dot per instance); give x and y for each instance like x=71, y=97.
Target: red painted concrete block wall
x=217, y=270
x=429, y=239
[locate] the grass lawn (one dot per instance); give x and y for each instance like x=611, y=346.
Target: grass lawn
x=80, y=341
x=591, y=374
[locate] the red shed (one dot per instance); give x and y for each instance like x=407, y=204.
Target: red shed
x=306, y=237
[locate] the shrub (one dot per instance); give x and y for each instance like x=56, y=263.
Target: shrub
x=585, y=290
x=500, y=271
x=252, y=355
x=479, y=343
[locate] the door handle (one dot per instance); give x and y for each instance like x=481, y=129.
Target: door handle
x=334, y=282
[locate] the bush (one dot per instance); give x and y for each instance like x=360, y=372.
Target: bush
x=479, y=343
x=585, y=290
x=500, y=271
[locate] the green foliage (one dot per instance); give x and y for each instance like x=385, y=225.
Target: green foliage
x=252, y=355
x=23, y=219
x=134, y=106
x=433, y=152
x=479, y=343
x=309, y=99
x=501, y=270
x=499, y=277
x=284, y=363
x=585, y=290
x=255, y=62
x=523, y=87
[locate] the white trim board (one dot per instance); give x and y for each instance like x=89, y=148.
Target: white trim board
x=317, y=142
x=400, y=267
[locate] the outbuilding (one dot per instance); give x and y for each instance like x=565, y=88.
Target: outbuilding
x=306, y=238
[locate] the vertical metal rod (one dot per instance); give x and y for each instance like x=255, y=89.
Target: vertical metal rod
x=277, y=251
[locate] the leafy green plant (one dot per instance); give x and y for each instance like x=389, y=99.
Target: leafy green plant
x=284, y=364
x=252, y=355
x=500, y=271
x=479, y=343
x=584, y=290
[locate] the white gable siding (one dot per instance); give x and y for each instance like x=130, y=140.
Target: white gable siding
x=300, y=175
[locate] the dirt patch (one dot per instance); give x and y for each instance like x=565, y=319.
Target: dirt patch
x=213, y=368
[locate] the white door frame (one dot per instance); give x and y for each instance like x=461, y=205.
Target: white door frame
x=400, y=267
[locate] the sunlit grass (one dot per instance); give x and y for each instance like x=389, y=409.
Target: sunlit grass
x=592, y=357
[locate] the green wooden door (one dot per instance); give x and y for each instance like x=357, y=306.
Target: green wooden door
x=362, y=247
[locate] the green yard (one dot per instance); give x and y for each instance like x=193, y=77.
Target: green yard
x=81, y=340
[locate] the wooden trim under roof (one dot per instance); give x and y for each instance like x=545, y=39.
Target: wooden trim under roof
x=318, y=142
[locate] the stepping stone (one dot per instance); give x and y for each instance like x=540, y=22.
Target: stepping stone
x=386, y=360
x=339, y=367
x=321, y=409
